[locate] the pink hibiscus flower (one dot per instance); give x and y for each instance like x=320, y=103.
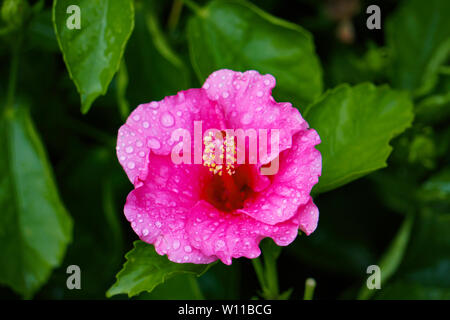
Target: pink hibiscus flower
x=201, y=212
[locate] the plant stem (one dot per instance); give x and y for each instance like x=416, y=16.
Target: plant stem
x=194, y=7
x=267, y=274
x=122, y=83
x=15, y=52
x=270, y=265
x=196, y=288
x=175, y=13
x=257, y=265
x=310, y=285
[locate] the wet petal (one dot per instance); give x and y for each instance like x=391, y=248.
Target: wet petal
x=234, y=235
x=247, y=102
x=150, y=126
x=300, y=168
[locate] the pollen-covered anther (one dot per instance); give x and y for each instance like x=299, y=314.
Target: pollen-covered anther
x=217, y=149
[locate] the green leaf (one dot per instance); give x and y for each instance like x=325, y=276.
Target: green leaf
x=182, y=287
x=35, y=228
x=239, y=36
x=418, y=35
x=145, y=269
x=93, y=53
x=355, y=125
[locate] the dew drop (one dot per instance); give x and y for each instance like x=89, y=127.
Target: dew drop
x=167, y=120
x=246, y=118
x=220, y=244
x=145, y=124
x=129, y=149
x=176, y=244
x=154, y=105
x=154, y=143
x=131, y=165
x=188, y=249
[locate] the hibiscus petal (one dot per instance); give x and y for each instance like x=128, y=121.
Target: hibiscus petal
x=149, y=128
x=158, y=217
x=300, y=168
x=247, y=102
x=308, y=216
x=234, y=235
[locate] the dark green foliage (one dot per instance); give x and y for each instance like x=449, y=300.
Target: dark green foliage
x=380, y=103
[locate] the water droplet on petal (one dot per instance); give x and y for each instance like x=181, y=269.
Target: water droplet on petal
x=167, y=120
x=129, y=149
x=154, y=105
x=220, y=244
x=176, y=244
x=154, y=143
x=131, y=165
x=188, y=249
x=246, y=118
x=145, y=124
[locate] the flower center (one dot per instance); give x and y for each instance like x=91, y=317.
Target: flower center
x=228, y=187
x=219, y=147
